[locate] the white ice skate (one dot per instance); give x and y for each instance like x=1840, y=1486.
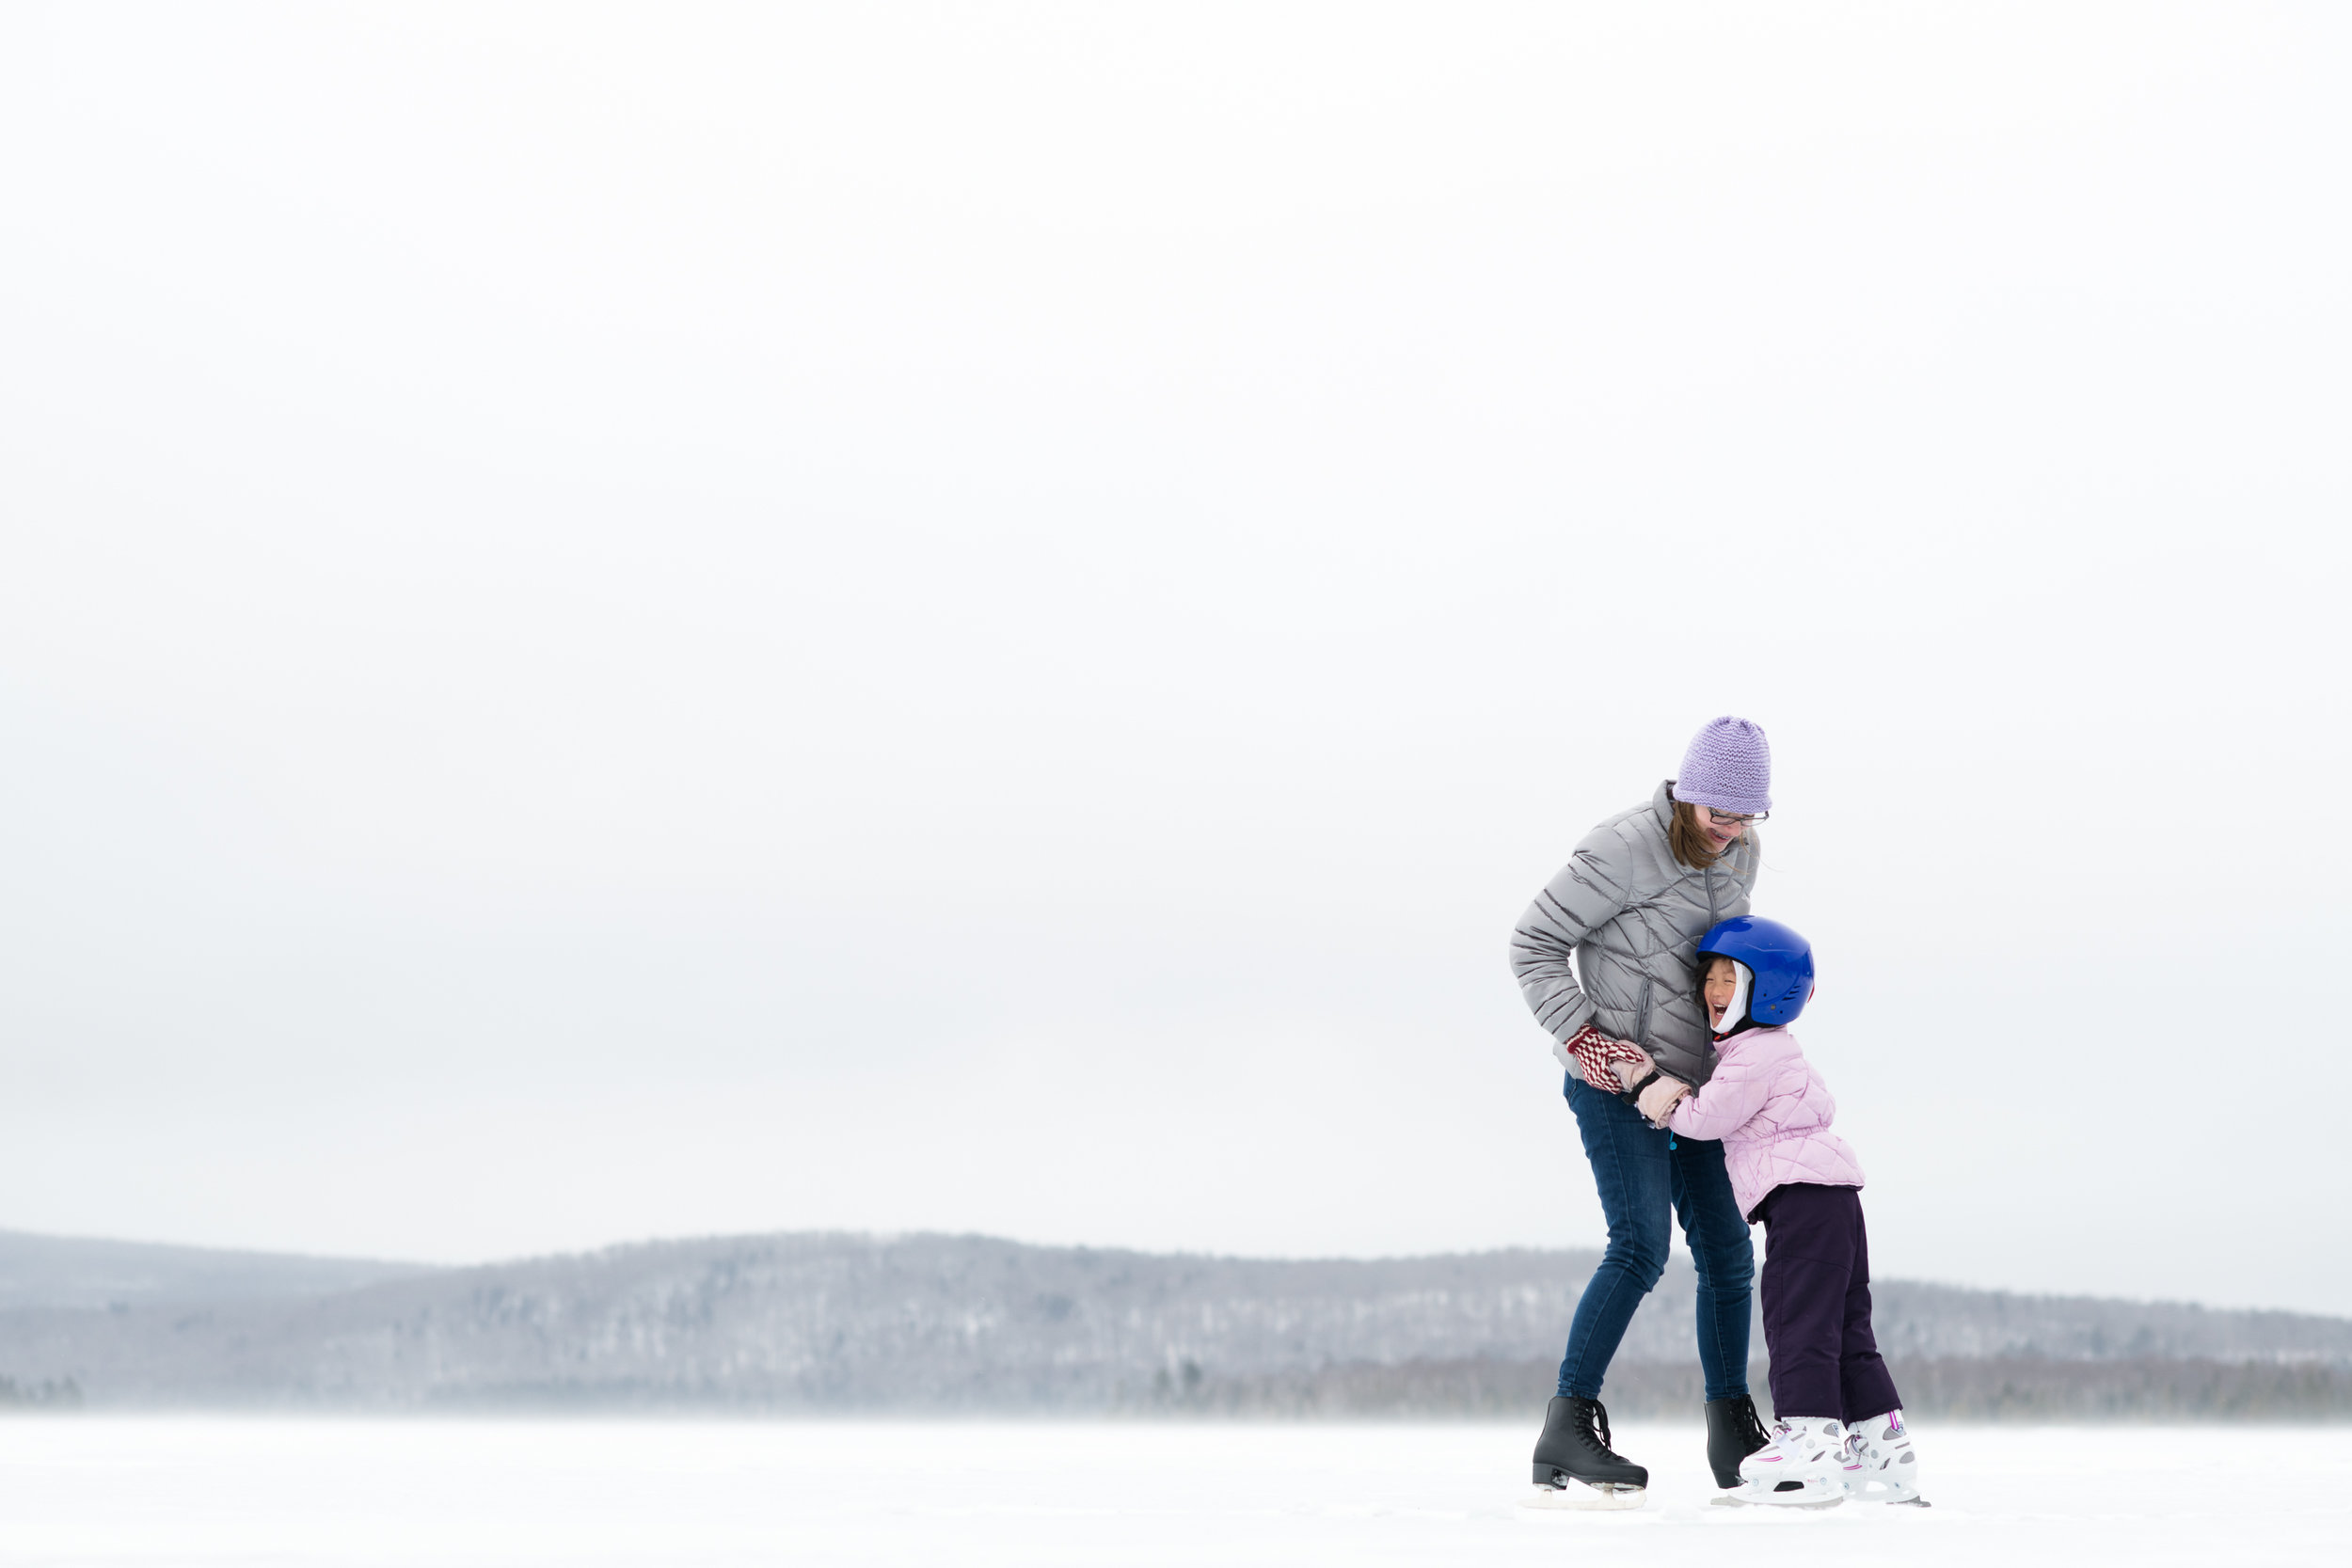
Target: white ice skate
x=1879, y=1466
x=1803, y=1467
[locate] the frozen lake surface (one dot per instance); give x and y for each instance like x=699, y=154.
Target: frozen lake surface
x=229, y=1491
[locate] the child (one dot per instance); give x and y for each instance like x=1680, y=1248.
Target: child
x=1838, y=1424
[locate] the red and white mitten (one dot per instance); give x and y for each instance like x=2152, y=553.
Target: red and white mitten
x=1610, y=1066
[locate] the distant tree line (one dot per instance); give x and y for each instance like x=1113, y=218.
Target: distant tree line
x=974, y=1326
x=1998, y=1389
x=2024, y=1388
x=47, y=1394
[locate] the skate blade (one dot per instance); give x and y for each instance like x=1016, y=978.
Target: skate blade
x=1747, y=1498
x=1888, y=1496
x=1579, y=1497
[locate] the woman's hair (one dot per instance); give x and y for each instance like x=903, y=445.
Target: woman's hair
x=1689, y=841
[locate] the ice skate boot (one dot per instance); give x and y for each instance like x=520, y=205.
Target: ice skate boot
x=1574, y=1467
x=1803, y=1467
x=1733, y=1432
x=1879, y=1466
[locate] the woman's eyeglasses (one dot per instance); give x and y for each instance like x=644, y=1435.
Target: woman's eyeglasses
x=1739, y=818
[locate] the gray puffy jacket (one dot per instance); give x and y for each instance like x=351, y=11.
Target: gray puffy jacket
x=1630, y=916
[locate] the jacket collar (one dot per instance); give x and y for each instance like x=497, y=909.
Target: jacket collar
x=1662, y=803
x=1764, y=1039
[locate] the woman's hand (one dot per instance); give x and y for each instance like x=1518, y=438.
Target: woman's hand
x=1598, y=1056
x=1657, y=1101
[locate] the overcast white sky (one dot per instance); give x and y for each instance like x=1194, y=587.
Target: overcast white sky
x=653, y=620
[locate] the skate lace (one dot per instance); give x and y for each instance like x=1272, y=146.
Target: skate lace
x=1752, y=1431
x=1598, y=1427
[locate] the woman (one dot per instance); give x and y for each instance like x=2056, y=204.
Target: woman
x=1627, y=911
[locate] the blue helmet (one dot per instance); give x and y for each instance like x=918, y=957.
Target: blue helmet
x=1781, y=960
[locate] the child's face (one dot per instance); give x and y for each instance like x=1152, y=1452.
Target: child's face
x=1721, y=980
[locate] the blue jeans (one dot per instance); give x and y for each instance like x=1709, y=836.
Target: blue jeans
x=1641, y=1172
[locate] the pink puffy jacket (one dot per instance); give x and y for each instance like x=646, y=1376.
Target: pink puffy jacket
x=1772, y=1113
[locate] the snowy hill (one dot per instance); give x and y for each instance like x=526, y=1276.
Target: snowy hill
x=948, y=1323
x=75, y=1272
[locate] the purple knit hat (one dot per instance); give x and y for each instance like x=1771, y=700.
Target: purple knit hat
x=1729, y=767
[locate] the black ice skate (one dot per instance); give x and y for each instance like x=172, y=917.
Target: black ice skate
x=1734, y=1431
x=1574, y=1467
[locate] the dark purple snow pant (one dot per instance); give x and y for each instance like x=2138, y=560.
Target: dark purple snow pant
x=1815, y=1294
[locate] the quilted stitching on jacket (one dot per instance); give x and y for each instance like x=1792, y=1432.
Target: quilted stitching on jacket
x=1773, y=1111
x=1612, y=939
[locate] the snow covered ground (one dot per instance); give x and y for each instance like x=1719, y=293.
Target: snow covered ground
x=213, y=1490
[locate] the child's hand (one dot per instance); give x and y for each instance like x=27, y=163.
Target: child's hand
x=1630, y=1063
x=1658, y=1100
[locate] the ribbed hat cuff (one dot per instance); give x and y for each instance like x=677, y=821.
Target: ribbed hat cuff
x=1701, y=795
